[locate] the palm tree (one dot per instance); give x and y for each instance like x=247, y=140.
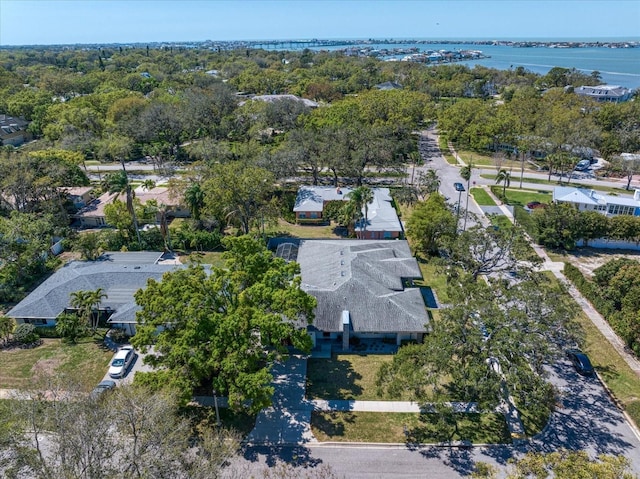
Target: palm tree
x=465, y=173
x=85, y=302
x=96, y=298
x=504, y=177
x=148, y=184
x=194, y=197
x=118, y=182
x=359, y=199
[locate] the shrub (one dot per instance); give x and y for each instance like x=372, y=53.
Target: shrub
x=119, y=335
x=45, y=332
x=25, y=334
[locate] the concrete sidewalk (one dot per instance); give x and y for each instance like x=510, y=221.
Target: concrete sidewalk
x=383, y=406
x=557, y=267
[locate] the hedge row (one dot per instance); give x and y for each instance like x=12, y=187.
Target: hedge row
x=589, y=290
x=605, y=307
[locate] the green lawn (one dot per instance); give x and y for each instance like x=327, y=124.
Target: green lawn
x=85, y=363
x=616, y=373
x=444, y=148
x=214, y=258
x=421, y=428
x=345, y=376
x=486, y=159
x=435, y=278
x=540, y=181
x=482, y=197
x=522, y=197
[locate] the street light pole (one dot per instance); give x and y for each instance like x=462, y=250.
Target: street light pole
x=466, y=209
x=458, y=209
x=215, y=404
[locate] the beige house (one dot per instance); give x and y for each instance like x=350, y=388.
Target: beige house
x=92, y=214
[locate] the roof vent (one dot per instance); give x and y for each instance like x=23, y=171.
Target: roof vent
x=341, y=273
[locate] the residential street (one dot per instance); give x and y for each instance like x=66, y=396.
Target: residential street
x=587, y=419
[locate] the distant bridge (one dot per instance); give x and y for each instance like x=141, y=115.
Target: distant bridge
x=297, y=44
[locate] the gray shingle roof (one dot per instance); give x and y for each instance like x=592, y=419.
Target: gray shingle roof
x=363, y=277
x=120, y=277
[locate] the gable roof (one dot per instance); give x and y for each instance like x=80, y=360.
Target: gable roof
x=583, y=196
x=120, y=275
x=312, y=198
x=364, y=277
x=381, y=215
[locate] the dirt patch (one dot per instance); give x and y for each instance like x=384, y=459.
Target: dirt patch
x=589, y=259
x=46, y=367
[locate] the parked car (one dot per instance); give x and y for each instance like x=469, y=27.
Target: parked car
x=459, y=186
x=580, y=361
x=104, y=386
x=121, y=362
x=583, y=165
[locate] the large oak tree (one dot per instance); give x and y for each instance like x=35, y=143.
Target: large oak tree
x=226, y=328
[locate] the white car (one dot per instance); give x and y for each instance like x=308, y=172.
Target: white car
x=121, y=362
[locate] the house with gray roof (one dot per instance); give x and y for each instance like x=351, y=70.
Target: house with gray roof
x=13, y=130
x=382, y=219
x=605, y=93
x=590, y=200
x=364, y=288
x=120, y=275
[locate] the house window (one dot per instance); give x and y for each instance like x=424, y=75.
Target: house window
x=387, y=234
x=302, y=215
x=34, y=321
x=314, y=215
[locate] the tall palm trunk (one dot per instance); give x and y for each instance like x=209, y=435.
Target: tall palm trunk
x=130, y=208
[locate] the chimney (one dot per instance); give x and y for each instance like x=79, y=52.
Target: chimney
x=636, y=195
x=338, y=191
x=346, y=326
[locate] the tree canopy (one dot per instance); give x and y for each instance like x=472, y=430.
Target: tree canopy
x=226, y=328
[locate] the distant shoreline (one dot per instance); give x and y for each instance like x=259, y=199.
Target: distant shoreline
x=315, y=43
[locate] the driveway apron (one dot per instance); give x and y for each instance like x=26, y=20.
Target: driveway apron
x=288, y=421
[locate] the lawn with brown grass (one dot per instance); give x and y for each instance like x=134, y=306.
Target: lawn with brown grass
x=85, y=363
x=284, y=228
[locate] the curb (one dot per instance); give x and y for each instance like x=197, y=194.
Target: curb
x=373, y=445
x=620, y=406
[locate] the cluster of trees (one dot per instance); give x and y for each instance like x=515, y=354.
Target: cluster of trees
x=556, y=123
x=130, y=432
x=614, y=289
x=561, y=225
x=470, y=354
x=563, y=463
x=227, y=326
x=494, y=335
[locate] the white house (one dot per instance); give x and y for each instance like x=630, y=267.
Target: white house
x=590, y=200
x=605, y=93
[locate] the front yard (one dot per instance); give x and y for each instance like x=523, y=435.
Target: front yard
x=85, y=363
x=345, y=376
x=420, y=428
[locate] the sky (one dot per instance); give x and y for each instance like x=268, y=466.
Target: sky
x=45, y=22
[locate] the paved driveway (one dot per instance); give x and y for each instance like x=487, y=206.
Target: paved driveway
x=288, y=420
x=136, y=365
